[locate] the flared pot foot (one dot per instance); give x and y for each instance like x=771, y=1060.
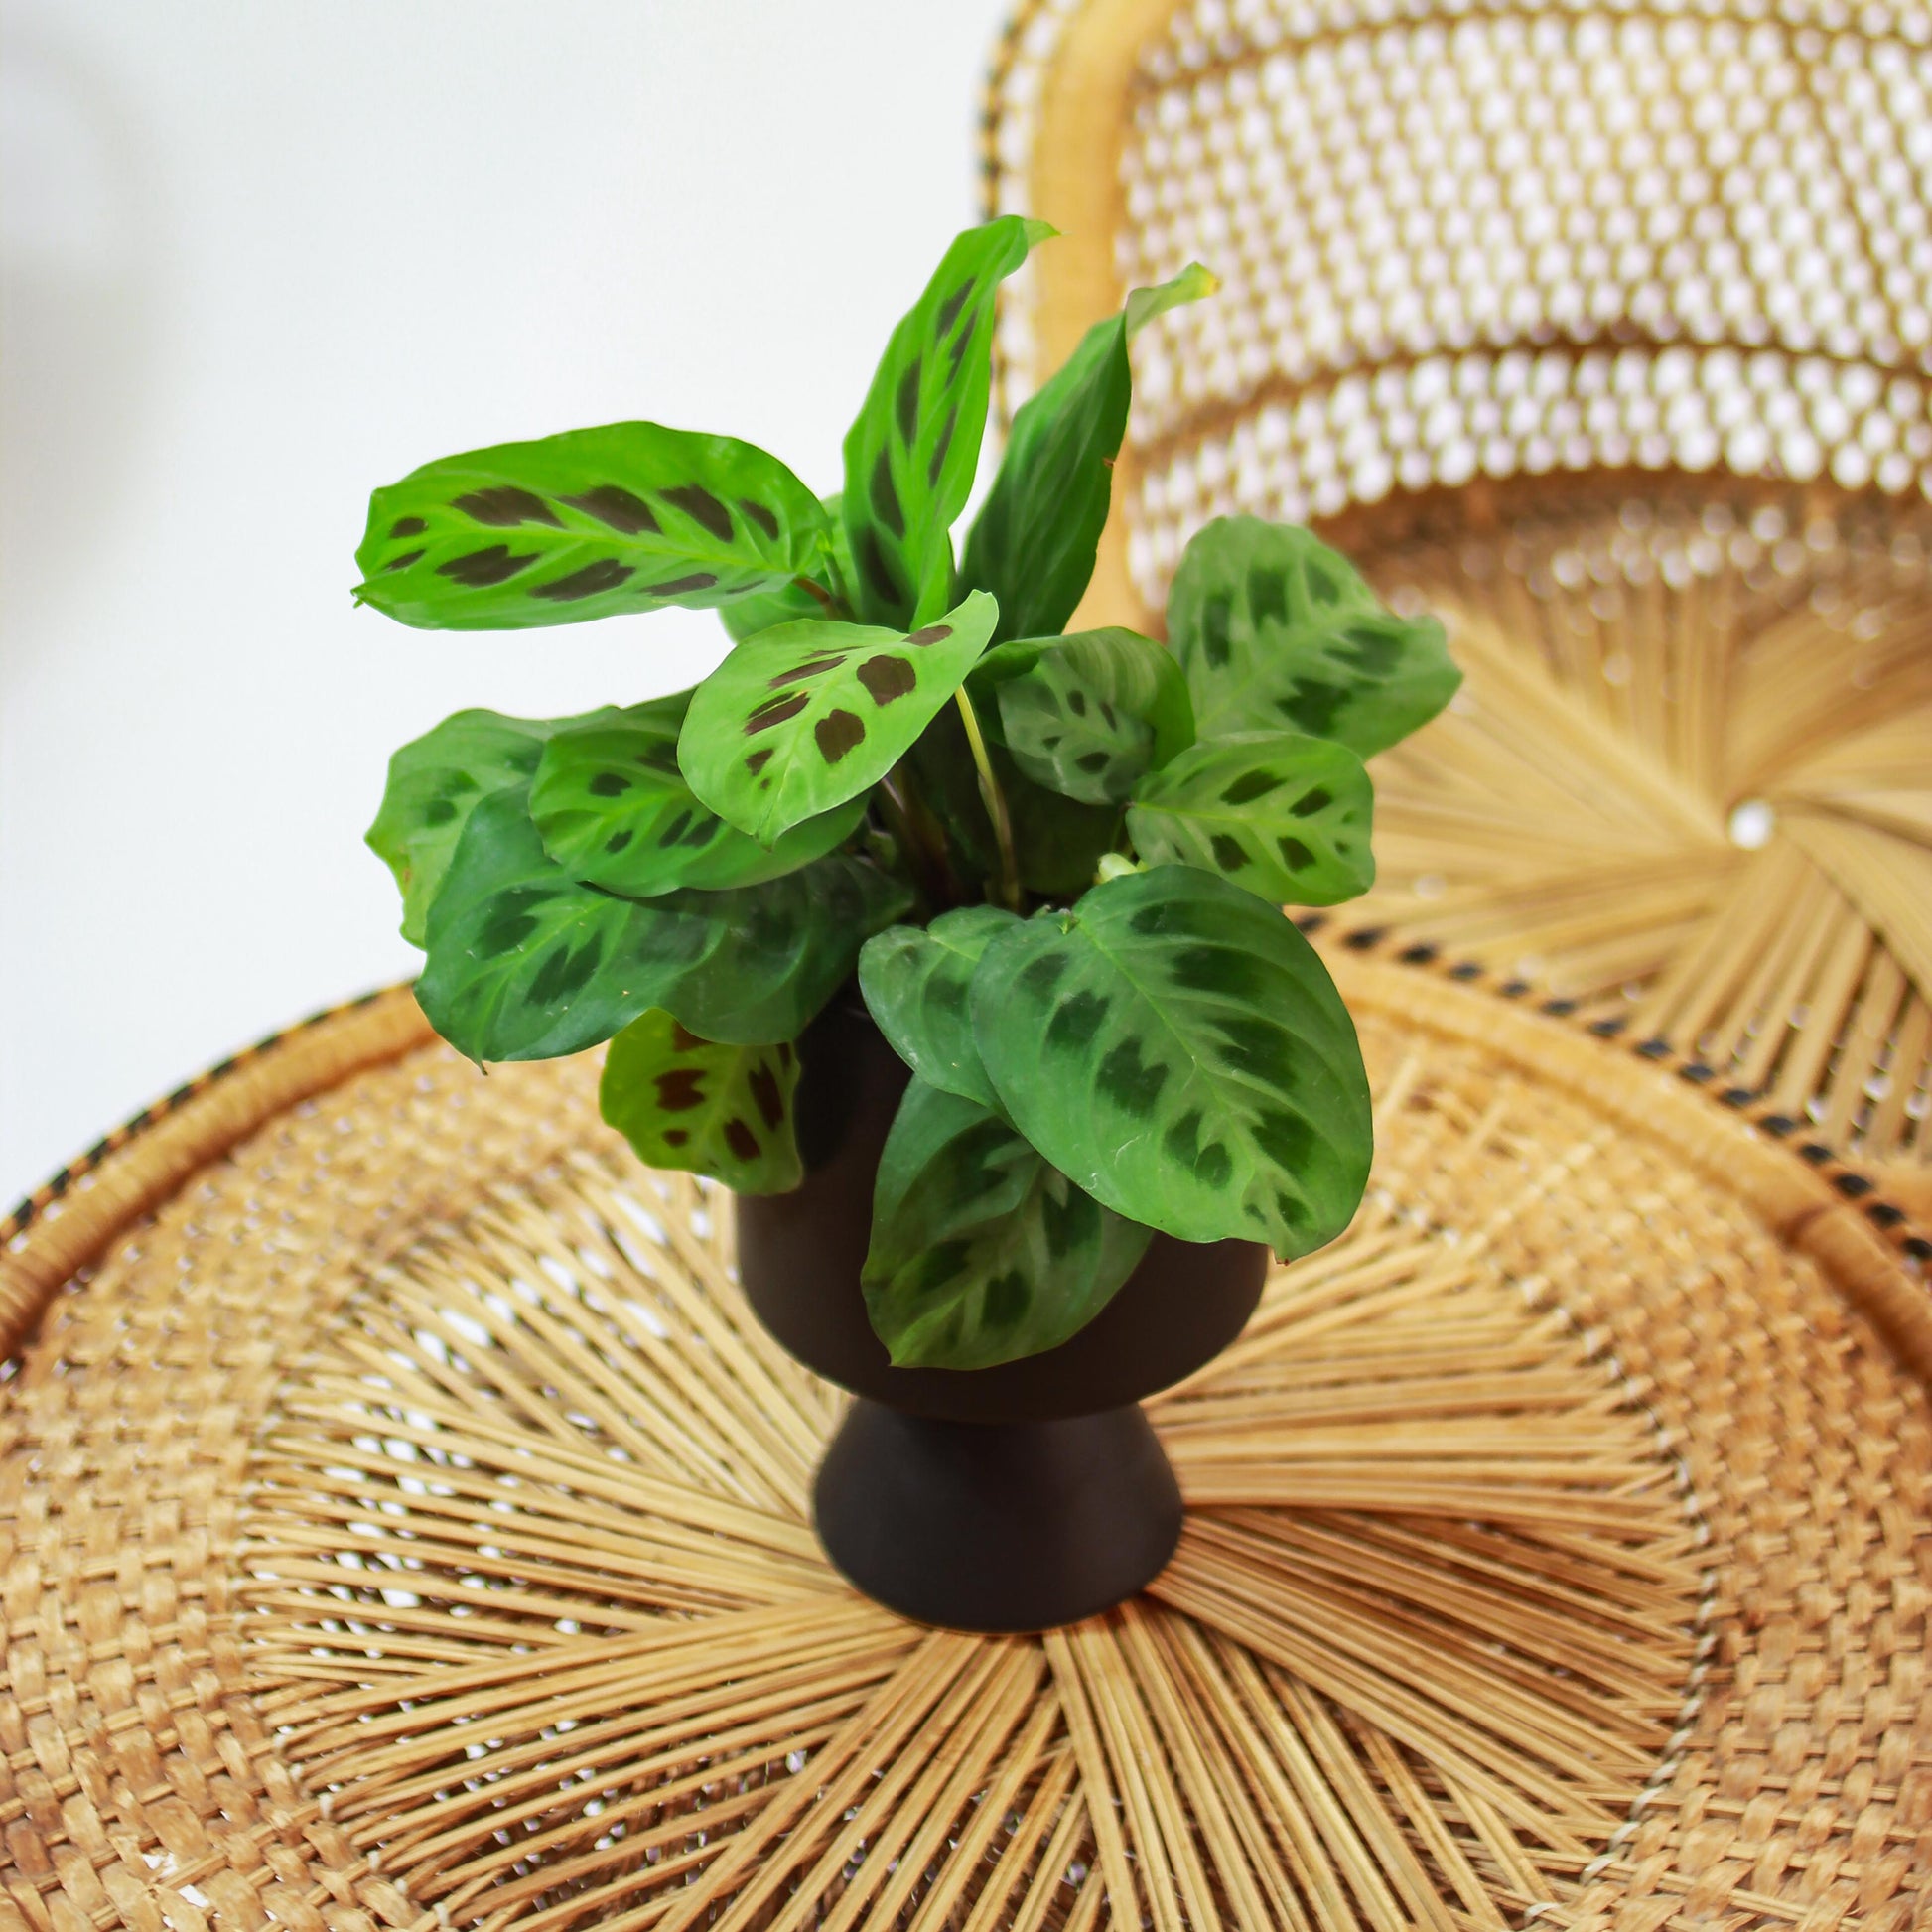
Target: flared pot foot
x=996, y=1526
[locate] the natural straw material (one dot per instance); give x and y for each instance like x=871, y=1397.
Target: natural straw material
x=1606, y=331
x=403, y=1524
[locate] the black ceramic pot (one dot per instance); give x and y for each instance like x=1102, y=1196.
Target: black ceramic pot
x=1010, y=1498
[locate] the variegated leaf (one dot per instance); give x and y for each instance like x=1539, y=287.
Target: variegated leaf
x=592, y=524
x=911, y=456
x=525, y=963
x=1175, y=1047
x=1286, y=816
x=800, y=718
x=981, y=1252
x=702, y=1106
x=1276, y=630
x=613, y=808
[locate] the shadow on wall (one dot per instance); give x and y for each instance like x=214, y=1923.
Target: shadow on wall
x=79, y=246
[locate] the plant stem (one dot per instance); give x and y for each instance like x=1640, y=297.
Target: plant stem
x=835, y=607
x=994, y=799
x=912, y=825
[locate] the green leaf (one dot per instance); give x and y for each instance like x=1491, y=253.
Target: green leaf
x=528, y=964
x=802, y=717
x=915, y=979
x=1034, y=542
x=911, y=456
x=745, y=617
x=1275, y=629
x=1178, y=1049
x=708, y=1108
x=437, y=781
x=1086, y=715
x=612, y=808
x=592, y=524
x=981, y=1252
x=1286, y=816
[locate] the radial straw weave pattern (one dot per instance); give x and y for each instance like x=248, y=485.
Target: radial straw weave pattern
x=1689, y=786
x=407, y=1527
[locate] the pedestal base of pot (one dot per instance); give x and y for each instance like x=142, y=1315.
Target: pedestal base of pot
x=996, y=1526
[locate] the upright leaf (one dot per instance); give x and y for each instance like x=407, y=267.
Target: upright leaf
x=437, y=781
x=1286, y=816
x=802, y=717
x=916, y=979
x=694, y=1104
x=1034, y=542
x=528, y=964
x=612, y=808
x=1275, y=629
x=1177, y=1049
x=592, y=524
x=911, y=456
x=1086, y=715
x=981, y=1252
x=745, y=617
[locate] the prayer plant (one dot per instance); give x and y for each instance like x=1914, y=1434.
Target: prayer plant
x=1058, y=862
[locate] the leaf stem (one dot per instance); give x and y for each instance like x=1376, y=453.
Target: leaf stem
x=835, y=607
x=994, y=799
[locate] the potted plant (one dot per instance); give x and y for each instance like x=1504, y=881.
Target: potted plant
x=953, y=944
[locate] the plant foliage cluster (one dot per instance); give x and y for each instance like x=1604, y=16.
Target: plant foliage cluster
x=1056, y=862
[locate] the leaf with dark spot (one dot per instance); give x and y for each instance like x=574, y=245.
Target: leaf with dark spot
x=482, y=569
x=1034, y=540
x=775, y=710
x=746, y=616
x=604, y=575
x=744, y=965
x=438, y=780
x=1086, y=716
x=686, y=1102
x=1241, y=806
x=612, y=515
x=614, y=809
x=834, y=737
x=915, y=979
x=911, y=455
x=617, y=506
x=1268, y=621
x=887, y=678
x=838, y=733
x=981, y=1252
x=767, y=520
x=1164, y=1063
x=697, y=503
x=506, y=507
x=812, y=668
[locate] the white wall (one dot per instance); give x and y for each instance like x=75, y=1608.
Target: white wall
x=260, y=257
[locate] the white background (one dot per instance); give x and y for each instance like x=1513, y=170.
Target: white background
x=261, y=257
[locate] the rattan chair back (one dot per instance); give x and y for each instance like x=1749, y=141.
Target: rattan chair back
x=1604, y=330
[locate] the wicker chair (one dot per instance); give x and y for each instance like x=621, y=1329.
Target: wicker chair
x=1605, y=332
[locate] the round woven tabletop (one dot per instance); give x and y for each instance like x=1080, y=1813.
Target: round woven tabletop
x=403, y=1524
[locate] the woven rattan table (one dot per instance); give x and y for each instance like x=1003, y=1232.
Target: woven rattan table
x=403, y=1525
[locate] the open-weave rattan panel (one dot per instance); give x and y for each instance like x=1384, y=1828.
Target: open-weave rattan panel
x=1604, y=330
x=405, y=1526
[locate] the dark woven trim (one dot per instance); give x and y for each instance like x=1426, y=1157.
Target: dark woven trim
x=1853, y=1182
